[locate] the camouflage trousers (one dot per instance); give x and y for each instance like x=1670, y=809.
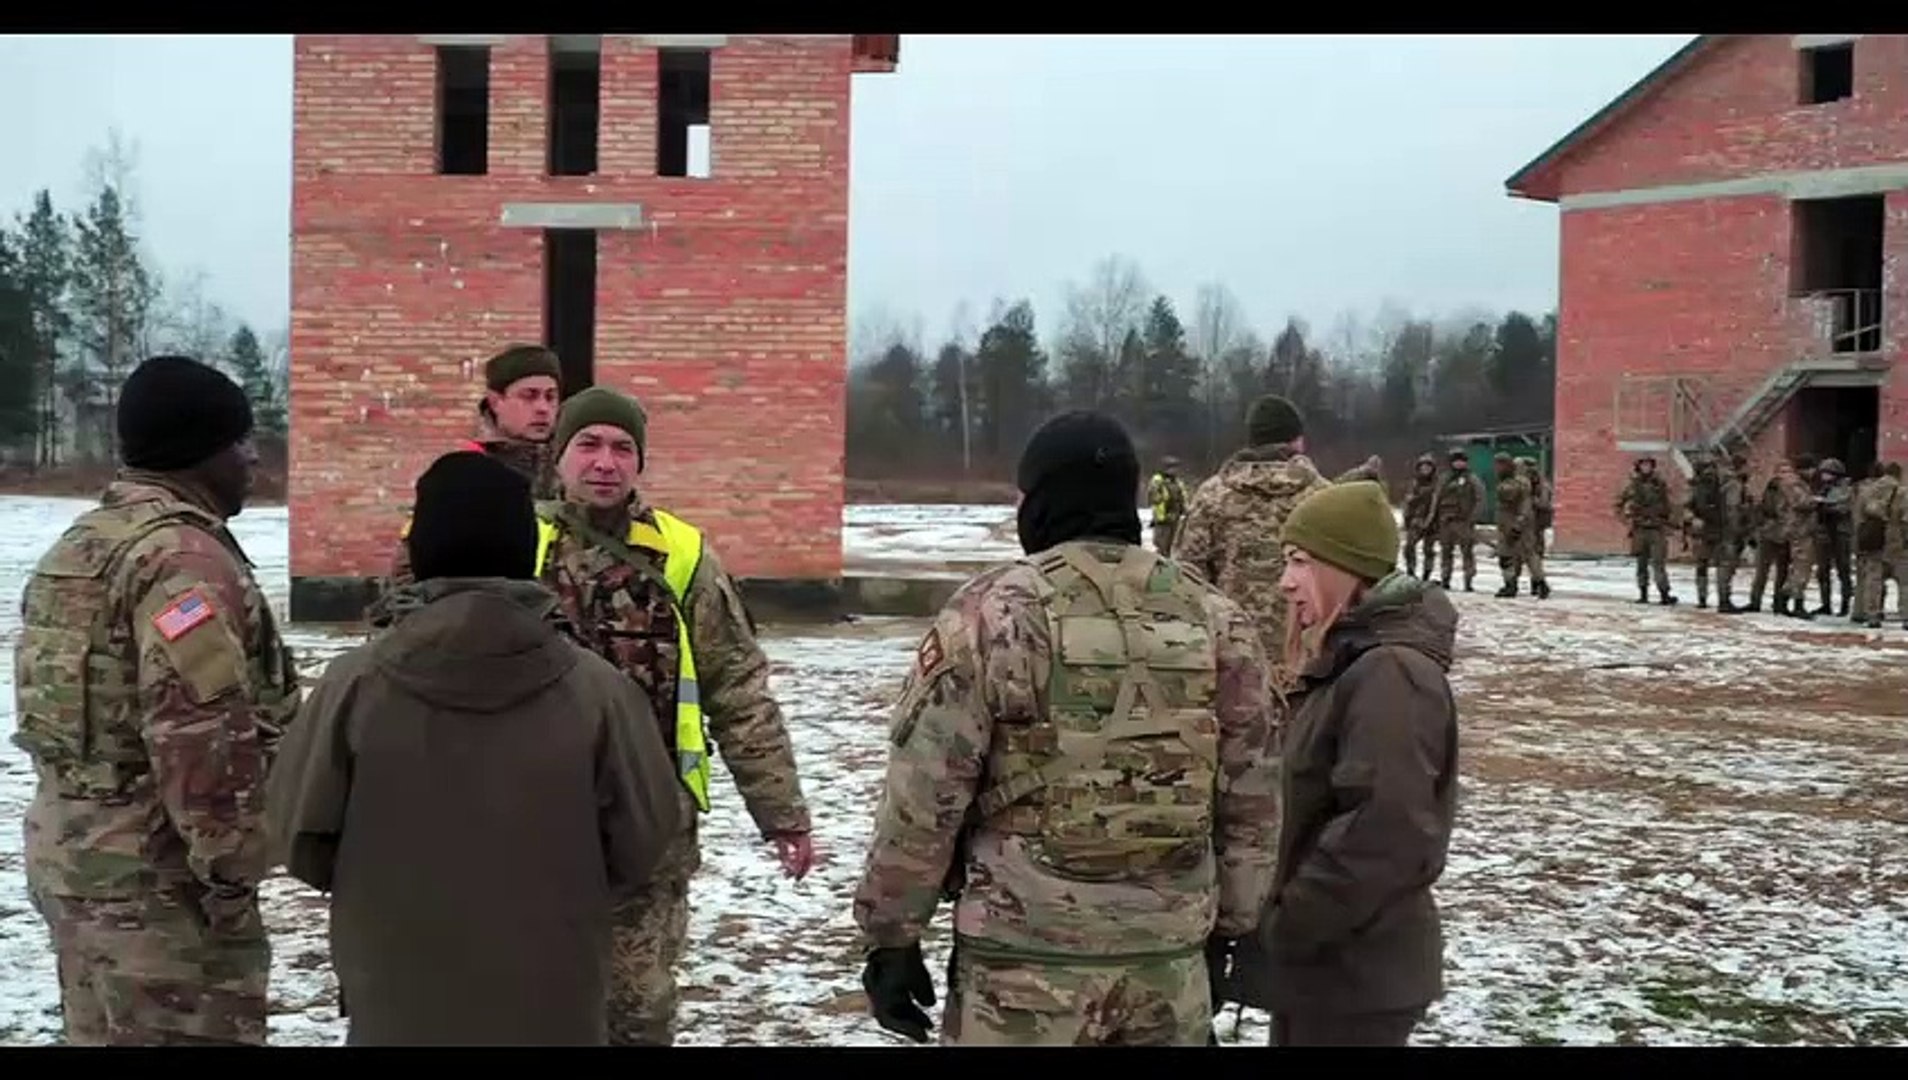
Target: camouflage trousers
x=1872, y=573
x=996, y=1002
x=1834, y=552
x=1163, y=533
x=1720, y=553
x=647, y=936
x=1651, y=548
x=1771, y=555
x=1801, y=569
x=1455, y=537
x=1517, y=552
x=1420, y=540
x=149, y=972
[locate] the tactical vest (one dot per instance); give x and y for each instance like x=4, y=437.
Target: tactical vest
x=76, y=667
x=680, y=545
x=1117, y=781
x=1706, y=498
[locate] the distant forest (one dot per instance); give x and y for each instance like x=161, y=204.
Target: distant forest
x=959, y=406
x=81, y=303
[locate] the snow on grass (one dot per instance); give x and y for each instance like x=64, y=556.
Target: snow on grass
x=1674, y=827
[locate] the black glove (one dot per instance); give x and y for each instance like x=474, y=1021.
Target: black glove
x=1219, y=968
x=897, y=983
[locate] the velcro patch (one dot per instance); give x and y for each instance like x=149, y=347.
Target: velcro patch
x=183, y=615
x=930, y=654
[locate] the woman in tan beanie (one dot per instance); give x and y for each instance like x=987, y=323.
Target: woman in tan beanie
x=1350, y=950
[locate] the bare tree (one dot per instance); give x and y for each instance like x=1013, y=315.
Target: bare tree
x=189, y=323
x=1112, y=302
x=1217, y=322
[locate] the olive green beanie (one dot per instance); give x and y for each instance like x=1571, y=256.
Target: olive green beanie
x=601, y=405
x=1350, y=526
x=521, y=362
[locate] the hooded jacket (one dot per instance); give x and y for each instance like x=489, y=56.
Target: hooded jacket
x=1369, y=791
x=476, y=793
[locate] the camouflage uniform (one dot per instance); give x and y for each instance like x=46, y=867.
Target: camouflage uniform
x=535, y=460
x=1645, y=506
x=1772, y=547
x=1542, y=511
x=152, y=690
x=1713, y=510
x=1834, y=533
x=1167, y=493
x=1419, y=534
x=1372, y=468
x=1882, y=533
x=1231, y=535
x=1517, y=530
x=1454, y=507
x=623, y=613
x=1800, y=513
x=1090, y=850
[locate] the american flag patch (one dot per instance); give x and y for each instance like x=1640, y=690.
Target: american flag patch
x=182, y=615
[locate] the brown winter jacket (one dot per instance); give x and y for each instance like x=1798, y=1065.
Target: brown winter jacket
x=1370, y=792
x=475, y=792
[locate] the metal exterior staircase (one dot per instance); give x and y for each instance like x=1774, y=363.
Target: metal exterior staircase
x=1690, y=425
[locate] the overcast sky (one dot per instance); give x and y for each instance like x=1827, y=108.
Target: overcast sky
x=1313, y=175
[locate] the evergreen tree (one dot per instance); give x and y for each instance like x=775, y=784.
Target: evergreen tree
x=113, y=295
x=46, y=273
x=245, y=358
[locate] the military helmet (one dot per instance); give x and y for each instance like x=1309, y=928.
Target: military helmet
x=1458, y=455
x=1169, y=462
x=1834, y=467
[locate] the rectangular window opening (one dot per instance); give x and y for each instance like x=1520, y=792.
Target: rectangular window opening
x=1828, y=73
x=463, y=109
x=682, y=108
x=576, y=79
x=569, y=303
x=1836, y=253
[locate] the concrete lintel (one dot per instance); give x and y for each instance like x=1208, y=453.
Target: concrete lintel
x=572, y=216
x=1811, y=184
x=1817, y=41
x=683, y=41
x=463, y=39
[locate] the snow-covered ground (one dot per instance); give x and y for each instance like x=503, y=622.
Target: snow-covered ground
x=1675, y=827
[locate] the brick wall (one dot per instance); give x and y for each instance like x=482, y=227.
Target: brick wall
x=725, y=313
x=1700, y=287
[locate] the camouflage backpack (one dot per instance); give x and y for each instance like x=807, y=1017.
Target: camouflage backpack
x=1118, y=780
x=1874, y=513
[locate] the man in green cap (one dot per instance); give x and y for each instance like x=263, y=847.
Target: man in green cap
x=522, y=387
x=643, y=589
x=1349, y=950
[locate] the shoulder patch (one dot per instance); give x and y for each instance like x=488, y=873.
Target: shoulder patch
x=185, y=614
x=930, y=654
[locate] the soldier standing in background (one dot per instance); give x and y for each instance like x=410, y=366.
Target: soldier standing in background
x=641, y=588
x=1167, y=492
x=1419, y=532
x=1881, y=535
x=1454, y=508
x=1540, y=503
x=1644, y=505
x=1231, y=533
x=1772, y=546
x=1516, y=530
x=1834, y=528
x=1800, y=513
x=1089, y=713
x=1711, y=509
x=522, y=388
x=151, y=691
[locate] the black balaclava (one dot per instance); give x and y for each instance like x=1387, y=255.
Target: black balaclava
x=1078, y=477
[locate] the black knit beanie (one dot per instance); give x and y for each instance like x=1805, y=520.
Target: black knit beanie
x=521, y=362
x=473, y=518
x=1273, y=420
x=1078, y=478
x=175, y=412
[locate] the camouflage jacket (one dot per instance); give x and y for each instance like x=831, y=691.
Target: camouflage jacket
x=1644, y=503
x=1886, y=502
x=1772, y=514
x=1418, y=501
x=152, y=751
x=1800, y=511
x=1835, y=514
x=982, y=682
x=625, y=615
x=1516, y=510
x=1230, y=535
x=1713, y=507
x=1457, y=499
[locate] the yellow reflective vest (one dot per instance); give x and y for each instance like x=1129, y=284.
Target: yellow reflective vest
x=681, y=547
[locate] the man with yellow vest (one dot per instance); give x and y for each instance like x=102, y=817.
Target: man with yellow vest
x=641, y=588
x=522, y=386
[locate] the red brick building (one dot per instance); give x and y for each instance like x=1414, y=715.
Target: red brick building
x=670, y=213
x=1734, y=235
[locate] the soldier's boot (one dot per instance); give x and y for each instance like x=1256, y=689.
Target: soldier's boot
x=1469, y=581
x=1702, y=590
x=1540, y=589
x=1845, y=600
x=1799, y=609
x=1642, y=594
x=1668, y=600
x=1509, y=590
x=1724, y=606
x=1778, y=605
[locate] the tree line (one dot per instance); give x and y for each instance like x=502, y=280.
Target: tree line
x=82, y=302
x=961, y=407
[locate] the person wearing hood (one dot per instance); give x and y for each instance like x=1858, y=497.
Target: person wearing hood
x=1230, y=535
x=1350, y=948
x=1082, y=759
x=1420, y=534
x=475, y=792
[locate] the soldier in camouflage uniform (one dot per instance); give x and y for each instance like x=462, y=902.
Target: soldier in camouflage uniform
x=151, y=691
x=1772, y=546
x=1881, y=534
x=1517, y=530
x=1644, y=505
x=1083, y=759
x=522, y=388
x=1167, y=492
x=1541, y=509
x=644, y=590
x=1712, y=510
x=1801, y=509
x=1834, y=533
x=1419, y=533
x=1455, y=507
x=1231, y=532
